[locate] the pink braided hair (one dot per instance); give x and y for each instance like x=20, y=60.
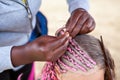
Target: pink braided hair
x=75, y=55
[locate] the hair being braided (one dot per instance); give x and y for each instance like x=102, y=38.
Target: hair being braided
x=83, y=53
x=74, y=59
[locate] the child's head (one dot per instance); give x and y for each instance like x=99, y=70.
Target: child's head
x=75, y=65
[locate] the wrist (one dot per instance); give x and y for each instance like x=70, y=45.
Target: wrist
x=20, y=56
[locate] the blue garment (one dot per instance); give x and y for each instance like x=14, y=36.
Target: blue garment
x=40, y=28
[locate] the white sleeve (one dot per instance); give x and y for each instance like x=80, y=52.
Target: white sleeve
x=5, y=59
x=74, y=4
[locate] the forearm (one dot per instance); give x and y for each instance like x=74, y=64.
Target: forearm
x=44, y=48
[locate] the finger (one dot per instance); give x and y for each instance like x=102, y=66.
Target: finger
x=75, y=31
x=72, y=21
x=79, y=24
x=84, y=30
x=92, y=26
x=58, y=52
x=88, y=23
x=58, y=41
x=82, y=19
x=86, y=26
x=46, y=38
x=59, y=31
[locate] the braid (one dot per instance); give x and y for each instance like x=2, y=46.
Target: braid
x=85, y=57
x=48, y=72
x=75, y=55
x=83, y=53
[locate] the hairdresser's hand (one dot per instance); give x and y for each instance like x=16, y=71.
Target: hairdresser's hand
x=80, y=22
x=44, y=48
x=48, y=48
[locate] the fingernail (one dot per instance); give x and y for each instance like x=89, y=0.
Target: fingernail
x=67, y=34
x=62, y=32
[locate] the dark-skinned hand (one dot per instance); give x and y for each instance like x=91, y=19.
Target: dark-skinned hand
x=80, y=22
x=49, y=48
x=44, y=48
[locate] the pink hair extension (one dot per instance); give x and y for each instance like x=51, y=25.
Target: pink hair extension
x=80, y=58
x=74, y=63
x=77, y=47
x=87, y=59
x=48, y=72
x=66, y=66
x=75, y=55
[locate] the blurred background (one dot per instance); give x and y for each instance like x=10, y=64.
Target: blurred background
x=106, y=14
